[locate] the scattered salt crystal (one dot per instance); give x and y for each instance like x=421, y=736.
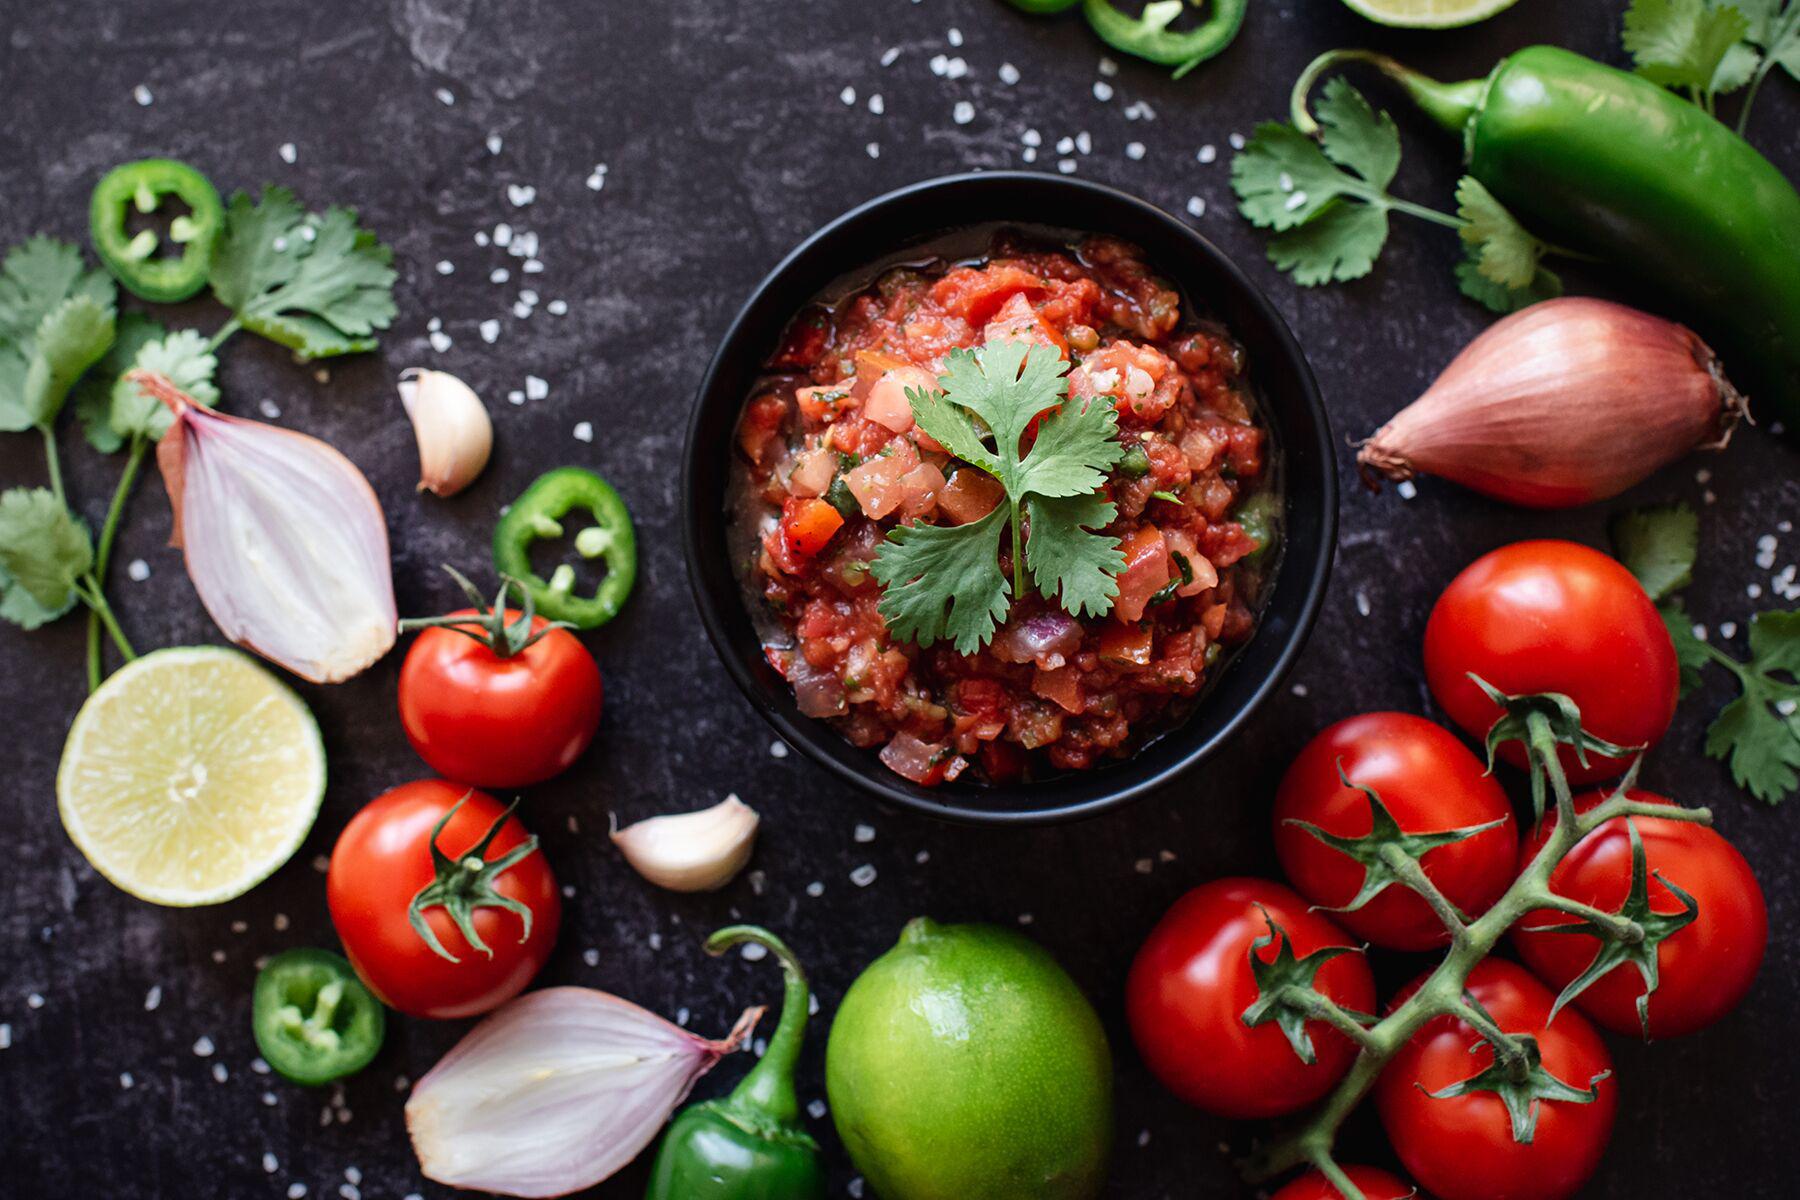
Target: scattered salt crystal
x=1299, y=689
x=956, y=68
x=269, y=1164
x=219, y=1073
x=1727, y=629
x=778, y=749
x=240, y=927
x=401, y=1083
x=1026, y=918
x=557, y=308
x=296, y=1190
x=1066, y=166
x=125, y=1080
x=1297, y=200
x=1196, y=207
x=269, y=1100
x=681, y=1016
x=954, y=36
x=873, y=149
x=142, y=95
x=520, y=195
x=1787, y=707
x=1362, y=603
x=353, y=1175
x=435, y=324
x=260, y=1066
x=280, y=922
x=654, y=941
x=1165, y=856
x=863, y=833
x=1103, y=91
x=1139, y=111
x=446, y=97
x=489, y=330
x=349, y=1191
x=204, y=1047
x=815, y=889
x=848, y=95
x=533, y=267
x=34, y=1001
x=6, y=1039
x=568, y=891
x=816, y=1110
x=503, y=234
x=1134, y=151
x=138, y=570
x=527, y=296
x=1143, y=866
x=1143, y=1138
x=1065, y=145
x=440, y=341
x=481, y=237
x=1754, y=591
x=1084, y=143
x=889, y=56
x=754, y=952
x=288, y=152
x=1207, y=153
x=856, y=1188
x=515, y=397
x=1028, y=154
x=922, y=857
x=1703, y=476
x=1236, y=140
x=494, y=143
x=591, y=957
x=535, y=388
x=1009, y=74
x=1031, y=137
x=445, y=267
x=1700, y=632
x=584, y=432
x=499, y=275
x=1407, y=489
x=877, y=105
x=963, y=113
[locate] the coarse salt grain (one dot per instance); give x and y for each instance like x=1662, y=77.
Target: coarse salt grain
x=877, y=105
x=1009, y=74
x=446, y=97
x=1196, y=207
x=440, y=341
x=863, y=833
x=533, y=267
x=494, y=143
x=1144, y=866
x=535, y=388
x=848, y=95
x=1084, y=143
x=503, y=234
x=815, y=889
x=864, y=875
x=1207, y=153
x=778, y=749
x=489, y=330
x=445, y=267
x=260, y=1066
x=520, y=195
x=1134, y=150
x=142, y=95
x=6, y=1039
x=499, y=275
x=288, y=152
x=1066, y=166
x=922, y=857
x=1031, y=137
x=1299, y=689
x=889, y=56
x=269, y=1164
x=816, y=1110
x=873, y=149
x=557, y=308
x=954, y=36
x=754, y=951
x=963, y=113
x=138, y=570
x=204, y=1046
x=296, y=1190
x=219, y=1073
x=1103, y=91
x=1236, y=140
x=584, y=432
x=515, y=397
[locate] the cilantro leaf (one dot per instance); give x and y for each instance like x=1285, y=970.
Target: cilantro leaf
x=56, y=320
x=1072, y=566
x=1500, y=247
x=1340, y=244
x=1658, y=545
x=945, y=581
x=318, y=284
x=1758, y=734
x=1284, y=179
x=93, y=396
x=181, y=357
x=1690, y=652
x=1682, y=43
x=44, y=552
x=1545, y=285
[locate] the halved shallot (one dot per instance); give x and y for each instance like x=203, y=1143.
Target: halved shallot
x=556, y=1091
x=1566, y=402
x=284, y=539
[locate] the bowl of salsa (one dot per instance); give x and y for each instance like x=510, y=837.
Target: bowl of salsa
x=1008, y=498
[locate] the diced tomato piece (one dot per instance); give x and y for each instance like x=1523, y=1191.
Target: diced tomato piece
x=871, y=365
x=888, y=404
x=1226, y=543
x=1017, y=321
x=805, y=341
x=813, y=472
x=922, y=762
x=919, y=490
x=970, y=495
x=1181, y=546
x=1062, y=685
x=808, y=524
x=824, y=403
x=1126, y=645
x=761, y=427
x=1245, y=453
x=930, y=338
x=1146, y=571
x=976, y=293
x=877, y=483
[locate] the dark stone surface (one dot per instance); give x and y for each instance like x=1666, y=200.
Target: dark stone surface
x=726, y=142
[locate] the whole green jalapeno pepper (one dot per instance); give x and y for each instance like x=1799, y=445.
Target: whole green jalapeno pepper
x=538, y=515
x=143, y=187
x=749, y=1145
x=1605, y=162
x=1149, y=37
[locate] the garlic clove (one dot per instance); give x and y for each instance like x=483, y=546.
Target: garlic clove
x=452, y=427
x=692, y=852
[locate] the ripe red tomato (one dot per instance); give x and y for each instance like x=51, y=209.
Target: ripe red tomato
x=1553, y=616
x=1462, y=1147
x=1191, y=983
x=498, y=722
x=382, y=860
x=1372, y=1182
x=1704, y=968
x=1429, y=782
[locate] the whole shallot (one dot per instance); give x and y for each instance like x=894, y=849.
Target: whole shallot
x=1566, y=402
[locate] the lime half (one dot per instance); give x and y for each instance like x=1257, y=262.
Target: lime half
x=190, y=776
x=1429, y=14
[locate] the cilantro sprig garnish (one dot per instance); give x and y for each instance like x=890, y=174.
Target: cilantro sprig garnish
x=1707, y=48
x=1757, y=734
x=1327, y=201
x=944, y=581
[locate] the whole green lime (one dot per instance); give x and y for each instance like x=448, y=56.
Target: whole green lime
x=965, y=1064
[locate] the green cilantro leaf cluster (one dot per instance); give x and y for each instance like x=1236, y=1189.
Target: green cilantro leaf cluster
x=1707, y=48
x=944, y=581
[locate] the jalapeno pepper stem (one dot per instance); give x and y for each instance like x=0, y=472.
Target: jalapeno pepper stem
x=1450, y=105
x=769, y=1087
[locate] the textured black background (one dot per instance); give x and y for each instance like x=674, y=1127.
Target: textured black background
x=726, y=143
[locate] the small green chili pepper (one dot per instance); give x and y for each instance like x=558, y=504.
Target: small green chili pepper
x=1136, y=462
x=1148, y=35
x=1043, y=7
x=313, y=1019
x=749, y=1145
x=143, y=187
x=538, y=514
x=1606, y=162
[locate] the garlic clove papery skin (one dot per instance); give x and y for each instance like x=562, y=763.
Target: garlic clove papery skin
x=692, y=852
x=452, y=427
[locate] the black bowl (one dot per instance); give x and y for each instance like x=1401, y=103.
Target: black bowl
x=1278, y=374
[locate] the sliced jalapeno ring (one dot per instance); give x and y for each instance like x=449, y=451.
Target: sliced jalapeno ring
x=543, y=513
x=314, y=1020
x=1149, y=37
x=143, y=187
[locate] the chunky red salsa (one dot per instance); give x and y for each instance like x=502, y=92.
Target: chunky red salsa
x=831, y=461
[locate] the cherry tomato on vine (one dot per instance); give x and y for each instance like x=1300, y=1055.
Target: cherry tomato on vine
x=1552, y=616
x=1429, y=782
x=498, y=698
x=1372, y=1182
x=414, y=848
x=1192, y=981
x=1704, y=967
x=1463, y=1147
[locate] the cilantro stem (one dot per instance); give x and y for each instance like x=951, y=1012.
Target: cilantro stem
x=89, y=590
x=1419, y=211
x=55, y=463
x=1790, y=22
x=1018, y=554
x=103, y=552
x=225, y=331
